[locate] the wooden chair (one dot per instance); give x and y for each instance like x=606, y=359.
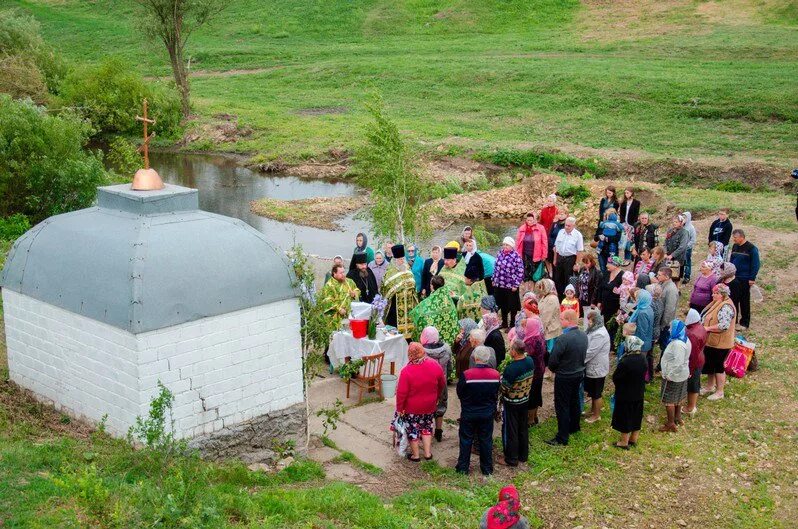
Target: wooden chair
x=369, y=376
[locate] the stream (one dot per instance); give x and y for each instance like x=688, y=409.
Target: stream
x=227, y=188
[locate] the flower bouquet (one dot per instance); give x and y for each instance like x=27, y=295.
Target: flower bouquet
x=378, y=307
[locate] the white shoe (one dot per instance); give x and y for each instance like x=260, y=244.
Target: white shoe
x=691, y=412
x=715, y=396
x=705, y=391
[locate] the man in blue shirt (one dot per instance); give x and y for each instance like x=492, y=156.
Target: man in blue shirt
x=745, y=257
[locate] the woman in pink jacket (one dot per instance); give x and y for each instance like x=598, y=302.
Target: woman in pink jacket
x=532, y=244
x=421, y=382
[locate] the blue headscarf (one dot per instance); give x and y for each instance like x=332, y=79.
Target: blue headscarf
x=678, y=331
x=643, y=303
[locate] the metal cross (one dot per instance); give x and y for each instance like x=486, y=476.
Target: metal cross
x=145, y=146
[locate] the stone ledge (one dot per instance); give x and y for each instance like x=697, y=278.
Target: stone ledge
x=255, y=435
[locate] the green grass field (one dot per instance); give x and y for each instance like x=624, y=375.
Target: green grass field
x=667, y=78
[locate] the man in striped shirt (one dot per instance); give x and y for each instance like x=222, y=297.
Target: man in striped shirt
x=516, y=383
x=478, y=391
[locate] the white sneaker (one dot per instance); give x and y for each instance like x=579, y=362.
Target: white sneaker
x=706, y=391
x=715, y=396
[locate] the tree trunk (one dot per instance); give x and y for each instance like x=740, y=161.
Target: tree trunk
x=181, y=76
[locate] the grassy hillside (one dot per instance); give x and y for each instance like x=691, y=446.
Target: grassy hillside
x=676, y=78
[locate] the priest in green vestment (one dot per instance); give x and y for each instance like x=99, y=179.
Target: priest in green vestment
x=465, y=292
x=399, y=290
x=336, y=296
x=437, y=310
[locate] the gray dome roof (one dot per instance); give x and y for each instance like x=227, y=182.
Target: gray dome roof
x=144, y=260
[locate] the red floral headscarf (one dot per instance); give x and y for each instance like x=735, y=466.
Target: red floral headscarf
x=504, y=514
x=415, y=353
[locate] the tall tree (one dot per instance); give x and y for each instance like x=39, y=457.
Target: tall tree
x=172, y=22
x=398, y=192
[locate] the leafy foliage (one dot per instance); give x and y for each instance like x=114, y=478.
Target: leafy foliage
x=109, y=95
x=576, y=192
x=20, y=37
x=398, y=191
x=732, y=186
x=124, y=157
x=21, y=78
x=12, y=227
x=543, y=160
x=43, y=167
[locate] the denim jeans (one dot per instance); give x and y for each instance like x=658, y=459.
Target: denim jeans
x=688, y=264
x=479, y=430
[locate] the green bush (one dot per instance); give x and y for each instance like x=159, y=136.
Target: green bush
x=43, y=167
x=21, y=78
x=543, y=160
x=577, y=193
x=732, y=186
x=110, y=94
x=20, y=36
x=124, y=158
x=12, y=228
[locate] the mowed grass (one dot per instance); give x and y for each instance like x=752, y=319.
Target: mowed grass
x=556, y=73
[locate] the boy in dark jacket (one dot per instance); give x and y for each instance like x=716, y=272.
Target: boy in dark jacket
x=478, y=391
x=721, y=228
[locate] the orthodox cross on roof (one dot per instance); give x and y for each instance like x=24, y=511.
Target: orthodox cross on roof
x=146, y=145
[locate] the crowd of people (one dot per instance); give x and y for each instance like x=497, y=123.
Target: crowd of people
x=499, y=324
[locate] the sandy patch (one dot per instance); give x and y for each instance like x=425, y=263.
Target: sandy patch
x=322, y=213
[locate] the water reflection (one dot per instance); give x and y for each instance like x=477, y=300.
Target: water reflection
x=227, y=189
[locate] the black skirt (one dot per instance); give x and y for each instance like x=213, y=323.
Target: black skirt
x=594, y=387
x=536, y=393
x=627, y=416
x=714, y=360
x=506, y=299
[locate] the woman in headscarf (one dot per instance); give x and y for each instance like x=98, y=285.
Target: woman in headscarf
x=701, y=296
x=677, y=240
x=643, y=318
x=463, y=347
x=687, y=266
x=535, y=347
x=506, y=513
x=728, y=276
x=494, y=338
x=487, y=305
x=715, y=256
x=549, y=306
x=439, y=351
x=362, y=246
x=379, y=265
x=415, y=261
x=420, y=384
x=467, y=235
x=508, y=274
x=431, y=268
x=698, y=339
x=718, y=319
x=629, y=380
x=675, y=363
x=609, y=299
x=597, y=362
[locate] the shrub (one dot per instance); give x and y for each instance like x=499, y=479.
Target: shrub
x=21, y=78
x=543, y=160
x=12, y=228
x=732, y=186
x=124, y=157
x=43, y=167
x=577, y=193
x=20, y=36
x=110, y=94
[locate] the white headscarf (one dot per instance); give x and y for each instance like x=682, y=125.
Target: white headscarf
x=692, y=317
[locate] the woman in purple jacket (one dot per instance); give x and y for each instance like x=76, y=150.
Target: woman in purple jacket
x=508, y=274
x=702, y=289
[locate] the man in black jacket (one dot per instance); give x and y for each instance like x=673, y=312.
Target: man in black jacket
x=567, y=362
x=478, y=391
x=645, y=235
x=721, y=228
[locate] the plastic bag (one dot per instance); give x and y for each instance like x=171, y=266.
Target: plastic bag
x=756, y=294
x=360, y=311
x=400, y=440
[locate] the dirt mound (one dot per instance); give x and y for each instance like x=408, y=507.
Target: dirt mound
x=226, y=130
x=323, y=213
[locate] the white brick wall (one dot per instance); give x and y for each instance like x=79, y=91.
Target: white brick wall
x=222, y=370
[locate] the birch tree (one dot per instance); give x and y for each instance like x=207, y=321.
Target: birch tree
x=398, y=192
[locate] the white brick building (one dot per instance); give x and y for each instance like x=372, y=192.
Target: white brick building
x=101, y=304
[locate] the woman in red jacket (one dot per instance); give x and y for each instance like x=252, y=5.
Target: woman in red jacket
x=532, y=244
x=420, y=384
x=698, y=339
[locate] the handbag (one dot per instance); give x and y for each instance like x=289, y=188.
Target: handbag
x=748, y=350
x=400, y=439
x=735, y=363
x=540, y=272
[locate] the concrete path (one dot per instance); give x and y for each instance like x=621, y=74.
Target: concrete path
x=363, y=431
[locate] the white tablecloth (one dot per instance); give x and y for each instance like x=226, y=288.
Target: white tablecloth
x=343, y=345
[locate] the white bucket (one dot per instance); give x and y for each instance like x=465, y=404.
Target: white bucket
x=388, y=385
